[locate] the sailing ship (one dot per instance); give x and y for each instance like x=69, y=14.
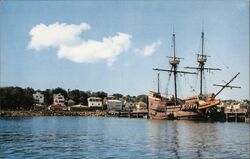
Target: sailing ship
x=163, y=107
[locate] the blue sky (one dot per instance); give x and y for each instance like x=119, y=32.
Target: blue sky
x=117, y=43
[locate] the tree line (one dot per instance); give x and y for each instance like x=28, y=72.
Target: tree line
x=17, y=98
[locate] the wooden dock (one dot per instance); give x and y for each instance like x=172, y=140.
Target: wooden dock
x=127, y=114
x=237, y=115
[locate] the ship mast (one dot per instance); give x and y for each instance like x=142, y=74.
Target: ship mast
x=201, y=59
x=158, y=82
x=174, y=62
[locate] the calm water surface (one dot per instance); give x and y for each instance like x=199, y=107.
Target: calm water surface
x=96, y=137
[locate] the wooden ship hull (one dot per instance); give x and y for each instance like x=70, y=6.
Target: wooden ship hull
x=156, y=106
x=161, y=108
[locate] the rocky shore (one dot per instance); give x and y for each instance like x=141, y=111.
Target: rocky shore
x=51, y=113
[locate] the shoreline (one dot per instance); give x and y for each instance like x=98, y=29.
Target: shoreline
x=28, y=113
x=98, y=113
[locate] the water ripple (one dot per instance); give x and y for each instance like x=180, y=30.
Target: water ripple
x=107, y=138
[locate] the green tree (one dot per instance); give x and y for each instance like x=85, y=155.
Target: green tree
x=48, y=96
x=84, y=97
x=100, y=94
x=60, y=90
x=14, y=98
x=74, y=95
x=28, y=98
x=141, y=98
x=117, y=95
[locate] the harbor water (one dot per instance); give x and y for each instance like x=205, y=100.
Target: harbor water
x=100, y=137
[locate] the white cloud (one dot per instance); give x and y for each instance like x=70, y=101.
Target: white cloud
x=53, y=35
x=66, y=38
x=92, y=51
x=148, y=50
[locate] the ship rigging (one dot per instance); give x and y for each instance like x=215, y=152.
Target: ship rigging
x=174, y=62
x=201, y=59
x=161, y=107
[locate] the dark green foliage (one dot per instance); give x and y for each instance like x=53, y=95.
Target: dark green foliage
x=129, y=98
x=84, y=97
x=104, y=107
x=79, y=96
x=60, y=90
x=99, y=94
x=74, y=95
x=16, y=98
x=141, y=98
x=117, y=95
x=48, y=96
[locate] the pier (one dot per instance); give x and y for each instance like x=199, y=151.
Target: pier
x=237, y=115
x=127, y=114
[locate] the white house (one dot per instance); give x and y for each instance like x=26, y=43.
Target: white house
x=38, y=98
x=106, y=99
x=235, y=107
x=114, y=105
x=129, y=105
x=58, y=99
x=94, y=102
x=141, y=106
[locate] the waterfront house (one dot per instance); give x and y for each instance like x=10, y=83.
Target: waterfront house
x=114, y=105
x=236, y=110
x=57, y=107
x=94, y=102
x=141, y=106
x=58, y=103
x=38, y=98
x=39, y=101
x=58, y=99
x=236, y=107
x=129, y=105
x=106, y=99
